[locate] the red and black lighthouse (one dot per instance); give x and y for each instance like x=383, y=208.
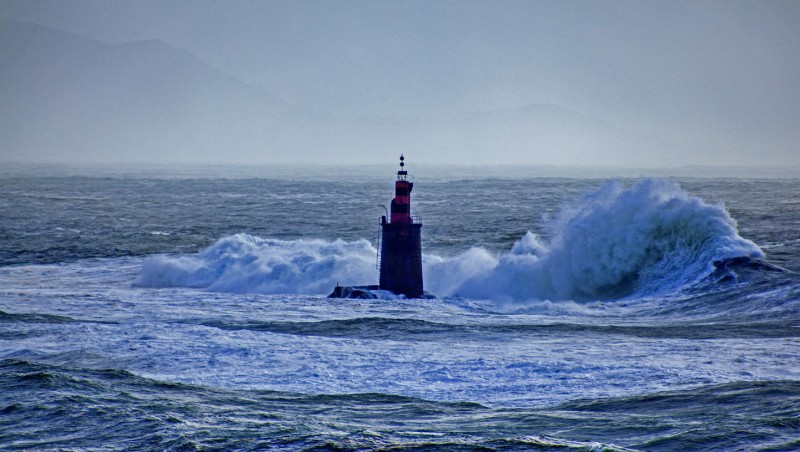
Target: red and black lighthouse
x=400, y=249
x=401, y=245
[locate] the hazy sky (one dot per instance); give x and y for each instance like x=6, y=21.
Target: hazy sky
x=688, y=82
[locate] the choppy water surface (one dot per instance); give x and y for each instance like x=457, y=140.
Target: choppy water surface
x=190, y=313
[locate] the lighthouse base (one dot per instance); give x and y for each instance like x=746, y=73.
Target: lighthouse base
x=370, y=293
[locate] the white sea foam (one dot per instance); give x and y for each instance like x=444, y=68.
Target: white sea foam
x=611, y=242
x=616, y=241
x=244, y=263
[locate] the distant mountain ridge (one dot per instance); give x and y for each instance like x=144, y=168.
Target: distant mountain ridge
x=65, y=94
x=69, y=98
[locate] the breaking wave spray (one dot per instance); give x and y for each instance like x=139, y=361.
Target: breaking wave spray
x=612, y=242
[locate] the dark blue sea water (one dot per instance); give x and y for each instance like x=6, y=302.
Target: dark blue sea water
x=162, y=311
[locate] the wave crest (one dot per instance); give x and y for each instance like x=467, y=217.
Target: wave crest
x=247, y=264
x=617, y=241
x=611, y=242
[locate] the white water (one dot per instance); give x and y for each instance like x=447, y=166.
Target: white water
x=245, y=264
x=237, y=315
x=612, y=242
x=223, y=340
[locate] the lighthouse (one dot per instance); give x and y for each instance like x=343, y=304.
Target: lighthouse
x=399, y=250
x=400, y=260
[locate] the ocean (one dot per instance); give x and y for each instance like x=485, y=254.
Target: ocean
x=187, y=310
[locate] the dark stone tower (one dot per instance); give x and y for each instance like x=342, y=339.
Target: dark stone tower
x=401, y=244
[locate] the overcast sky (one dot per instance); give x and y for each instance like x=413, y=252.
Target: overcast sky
x=698, y=82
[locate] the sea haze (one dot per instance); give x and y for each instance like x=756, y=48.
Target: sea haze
x=628, y=84
x=153, y=310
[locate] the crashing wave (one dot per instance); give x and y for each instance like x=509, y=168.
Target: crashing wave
x=611, y=242
x=616, y=241
x=246, y=264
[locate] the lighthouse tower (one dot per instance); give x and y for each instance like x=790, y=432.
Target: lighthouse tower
x=400, y=250
x=401, y=246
